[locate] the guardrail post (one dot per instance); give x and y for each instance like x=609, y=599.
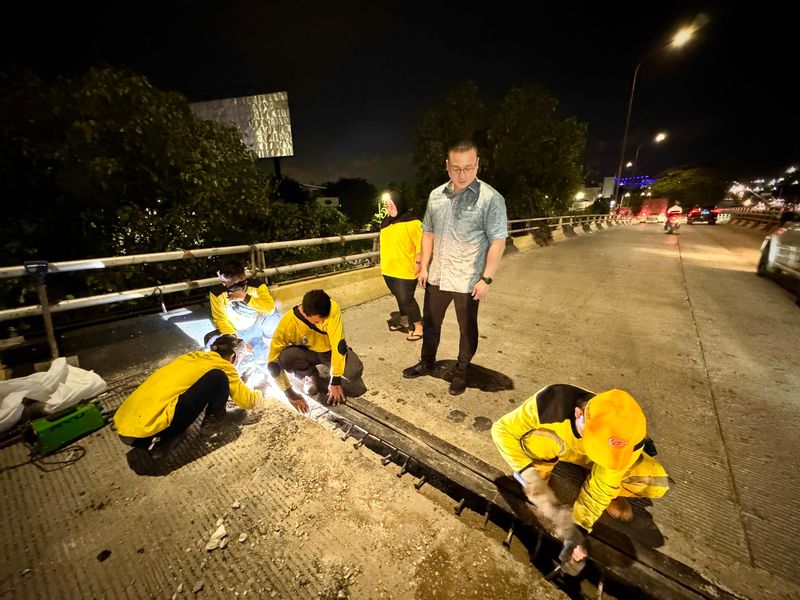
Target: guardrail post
x=37, y=270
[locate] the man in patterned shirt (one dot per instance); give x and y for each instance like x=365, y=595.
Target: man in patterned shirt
x=463, y=239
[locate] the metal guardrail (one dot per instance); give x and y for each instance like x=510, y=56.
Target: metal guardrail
x=39, y=270
x=752, y=215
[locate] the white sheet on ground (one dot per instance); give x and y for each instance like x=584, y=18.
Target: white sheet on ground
x=59, y=387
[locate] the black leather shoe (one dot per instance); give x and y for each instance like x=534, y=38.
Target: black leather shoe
x=458, y=385
x=163, y=448
x=418, y=370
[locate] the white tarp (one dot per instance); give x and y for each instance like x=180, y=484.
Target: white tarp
x=59, y=387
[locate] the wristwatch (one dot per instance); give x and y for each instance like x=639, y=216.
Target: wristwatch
x=487, y=280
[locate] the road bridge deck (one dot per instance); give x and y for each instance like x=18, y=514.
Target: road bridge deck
x=709, y=350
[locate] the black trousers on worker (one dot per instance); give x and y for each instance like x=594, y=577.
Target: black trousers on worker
x=435, y=306
x=209, y=393
x=403, y=292
x=303, y=362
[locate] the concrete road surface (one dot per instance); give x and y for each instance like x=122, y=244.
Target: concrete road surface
x=681, y=322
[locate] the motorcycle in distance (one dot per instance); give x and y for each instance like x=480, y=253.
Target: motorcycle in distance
x=673, y=222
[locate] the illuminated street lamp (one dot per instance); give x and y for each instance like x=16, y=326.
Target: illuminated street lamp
x=660, y=137
x=678, y=40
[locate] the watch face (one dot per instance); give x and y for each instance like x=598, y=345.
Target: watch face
x=488, y=280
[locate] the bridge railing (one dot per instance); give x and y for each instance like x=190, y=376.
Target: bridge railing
x=40, y=270
x=753, y=215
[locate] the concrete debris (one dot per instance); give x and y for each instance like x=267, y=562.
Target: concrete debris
x=236, y=504
x=180, y=588
x=223, y=544
x=197, y=587
x=216, y=538
x=242, y=537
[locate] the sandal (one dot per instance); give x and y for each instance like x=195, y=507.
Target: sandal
x=396, y=327
x=413, y=337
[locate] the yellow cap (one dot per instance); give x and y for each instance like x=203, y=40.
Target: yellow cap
x=615, y=424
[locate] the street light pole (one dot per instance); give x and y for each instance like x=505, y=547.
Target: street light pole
x=677, y=41
x=660, y=137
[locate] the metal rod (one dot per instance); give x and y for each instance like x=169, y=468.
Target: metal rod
x=404, y=467
x=509, y=537
x=48, y=321
x=347, y=433
x=420, y=482
x=136, y=259
x=552, y=575
x=459, y=508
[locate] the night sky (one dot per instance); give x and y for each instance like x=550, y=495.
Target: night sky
x=360, y=75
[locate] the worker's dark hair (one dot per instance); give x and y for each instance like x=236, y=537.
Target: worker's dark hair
x=230, y=268
x=317, y=303
x=463, y=145
x=225, y=345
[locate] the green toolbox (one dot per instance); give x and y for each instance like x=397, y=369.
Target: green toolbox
x=61, y=428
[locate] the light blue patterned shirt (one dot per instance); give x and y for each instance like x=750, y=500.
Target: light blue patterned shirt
x=463, y=224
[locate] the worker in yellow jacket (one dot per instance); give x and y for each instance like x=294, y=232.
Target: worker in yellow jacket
x=241, y=309
x=400, y=242
x=605, y=433
x=312, y=334
x=160, y=410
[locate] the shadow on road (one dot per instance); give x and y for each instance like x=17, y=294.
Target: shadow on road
x=192, y=446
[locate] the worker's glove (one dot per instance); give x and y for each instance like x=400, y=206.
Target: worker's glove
x=575, y=539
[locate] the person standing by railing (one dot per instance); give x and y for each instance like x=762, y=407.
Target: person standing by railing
x=463, y=239
x=401, y=236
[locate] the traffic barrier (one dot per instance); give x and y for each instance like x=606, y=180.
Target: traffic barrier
x=524, y=242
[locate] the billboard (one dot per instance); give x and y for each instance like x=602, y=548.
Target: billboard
x=263, y=120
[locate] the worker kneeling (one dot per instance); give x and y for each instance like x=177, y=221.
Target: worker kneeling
x=160, y=410
x=312, y=334
x=605, y=433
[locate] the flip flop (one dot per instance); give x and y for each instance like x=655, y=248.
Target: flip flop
x=395, y=327
x=413, y=337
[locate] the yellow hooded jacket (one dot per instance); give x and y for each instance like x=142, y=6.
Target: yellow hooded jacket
x=231, y=317
x=542, y=431
x=400, y=244
x=295, y=330
x=150, y=408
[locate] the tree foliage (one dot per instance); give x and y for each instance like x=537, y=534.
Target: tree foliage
x=528, y=150
x=691, y=186
x=106, y=164
x=358, y=199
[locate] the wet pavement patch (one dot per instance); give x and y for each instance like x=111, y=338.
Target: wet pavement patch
x=482, y=424
x=457, y=416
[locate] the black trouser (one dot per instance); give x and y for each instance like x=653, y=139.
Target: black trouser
x=303, y=362
x=210, y=392
x=403, y=292
x=436, y=303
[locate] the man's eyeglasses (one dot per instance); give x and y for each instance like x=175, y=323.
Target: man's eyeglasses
x=460, y=170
